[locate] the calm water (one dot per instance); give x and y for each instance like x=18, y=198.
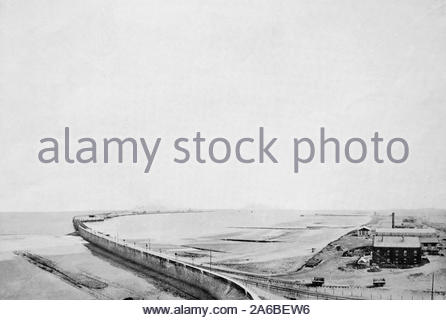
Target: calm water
x=180, y=228
x=47, y=234
x=39, y=223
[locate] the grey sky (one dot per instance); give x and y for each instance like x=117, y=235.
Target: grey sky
x=170, y=68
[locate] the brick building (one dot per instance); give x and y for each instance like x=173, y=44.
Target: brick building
x=396, y=251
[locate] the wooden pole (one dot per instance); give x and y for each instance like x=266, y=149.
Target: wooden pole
x=432, y=290
x=210, y=260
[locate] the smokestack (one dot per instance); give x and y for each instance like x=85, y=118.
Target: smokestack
x=393, y=220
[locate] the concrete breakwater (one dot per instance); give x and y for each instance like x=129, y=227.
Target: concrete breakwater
x=196, y=281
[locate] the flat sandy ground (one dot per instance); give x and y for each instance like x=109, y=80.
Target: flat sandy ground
x=263, y=241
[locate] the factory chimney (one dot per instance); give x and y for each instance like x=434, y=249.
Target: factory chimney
x=393, y=220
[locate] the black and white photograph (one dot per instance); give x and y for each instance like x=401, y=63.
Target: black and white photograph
x=223, y=150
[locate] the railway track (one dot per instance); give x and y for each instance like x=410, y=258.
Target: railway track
x=288, y=288
x=295, y=293
x=292, y=290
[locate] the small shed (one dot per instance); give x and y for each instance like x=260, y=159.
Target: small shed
x=364, y=231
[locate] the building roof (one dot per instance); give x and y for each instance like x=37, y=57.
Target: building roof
x=396, y=242
x=429, y=240
x=405, y=231
x=365, y=228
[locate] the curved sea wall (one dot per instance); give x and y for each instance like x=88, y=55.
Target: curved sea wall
x=196, y=281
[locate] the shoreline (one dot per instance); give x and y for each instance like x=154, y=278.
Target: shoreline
x=234, y=264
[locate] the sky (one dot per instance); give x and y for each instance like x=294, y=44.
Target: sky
x=168, y=69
